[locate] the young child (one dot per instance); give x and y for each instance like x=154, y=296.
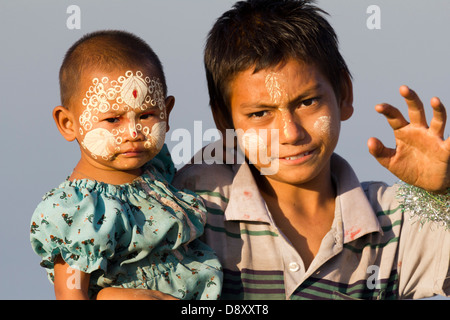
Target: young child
x=116, y=222
x=310, y=230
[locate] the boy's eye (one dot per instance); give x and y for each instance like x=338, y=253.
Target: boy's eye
x=258, y=114
x=309, y=102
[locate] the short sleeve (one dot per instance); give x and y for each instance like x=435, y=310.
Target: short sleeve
x=71, y=222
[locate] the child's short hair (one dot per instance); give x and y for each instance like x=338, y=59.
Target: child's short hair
x=105, y=50
x=263, y=34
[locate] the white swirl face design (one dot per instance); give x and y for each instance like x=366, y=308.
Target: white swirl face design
x=131, y=94
x=100, y=142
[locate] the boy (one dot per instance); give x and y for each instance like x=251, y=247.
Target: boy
x=310, y=230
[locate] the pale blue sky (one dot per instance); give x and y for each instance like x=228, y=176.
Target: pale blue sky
x=411, y=48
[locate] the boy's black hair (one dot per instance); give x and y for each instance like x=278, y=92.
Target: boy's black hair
x=262, y=34
x=105, y=50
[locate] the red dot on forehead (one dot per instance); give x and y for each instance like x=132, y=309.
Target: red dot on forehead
x=135, y=93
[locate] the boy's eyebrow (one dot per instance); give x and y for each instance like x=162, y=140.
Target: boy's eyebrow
x=306, y=94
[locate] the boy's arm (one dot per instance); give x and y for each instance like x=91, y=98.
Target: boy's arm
x=70, y=284
x=422, y=155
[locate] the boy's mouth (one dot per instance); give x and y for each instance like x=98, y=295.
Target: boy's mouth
x=298, y=156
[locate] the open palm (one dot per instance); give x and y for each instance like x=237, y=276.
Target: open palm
x=422, y=155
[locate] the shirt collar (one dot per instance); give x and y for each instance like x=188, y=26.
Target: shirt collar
x=358, y=218
x=246, y=201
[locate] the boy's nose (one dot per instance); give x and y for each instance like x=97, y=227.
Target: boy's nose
x=291, y=130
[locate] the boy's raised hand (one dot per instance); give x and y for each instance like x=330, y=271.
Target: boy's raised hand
x=422, y=155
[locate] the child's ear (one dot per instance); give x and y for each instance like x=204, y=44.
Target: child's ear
x=346, y=99
x=170, y=102
x=65, y=122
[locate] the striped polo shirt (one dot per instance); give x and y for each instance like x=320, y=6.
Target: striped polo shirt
x=372, y=251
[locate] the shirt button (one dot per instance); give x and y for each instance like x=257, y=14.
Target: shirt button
x=294, y=266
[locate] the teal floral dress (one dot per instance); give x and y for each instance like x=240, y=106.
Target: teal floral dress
x=138, y=235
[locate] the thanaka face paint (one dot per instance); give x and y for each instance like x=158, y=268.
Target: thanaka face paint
x=276, y=87
x=100, y=142
x=130, y=95
x=131, y=115
x=256, y=147
x=255, y=144
x=323, y=126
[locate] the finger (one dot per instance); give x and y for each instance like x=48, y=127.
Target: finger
x=416, y=111
x=437, y=124
x=380, y=152
x=392, y=114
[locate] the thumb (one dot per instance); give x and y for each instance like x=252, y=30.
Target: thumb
x=380, y=152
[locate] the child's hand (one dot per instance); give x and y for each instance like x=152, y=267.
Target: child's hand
x=421, y=156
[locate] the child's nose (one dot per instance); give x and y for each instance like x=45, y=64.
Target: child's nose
x=291, y=130
x=133, y=132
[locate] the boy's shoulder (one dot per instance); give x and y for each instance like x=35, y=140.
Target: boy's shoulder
x=385, y=202
x=204, y=176
x=209, y=173
x=380, y=194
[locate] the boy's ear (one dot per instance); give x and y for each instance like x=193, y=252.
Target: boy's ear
x=346, y=98
x=64, y=121
x=170, y=102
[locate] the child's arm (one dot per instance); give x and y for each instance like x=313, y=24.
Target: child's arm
x=111, y=293
x=70, y=284
x=421, y=156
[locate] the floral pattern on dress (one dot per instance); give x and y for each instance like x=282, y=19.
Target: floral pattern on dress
x=138, y=235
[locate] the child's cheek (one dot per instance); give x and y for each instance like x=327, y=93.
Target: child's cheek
x=156, y=137
x=100, y=142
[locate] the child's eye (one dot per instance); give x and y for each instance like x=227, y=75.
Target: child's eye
x=112, y=120
x=146, y=115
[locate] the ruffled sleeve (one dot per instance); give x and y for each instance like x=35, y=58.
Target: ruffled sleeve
x=164, y=164
x=72, y=222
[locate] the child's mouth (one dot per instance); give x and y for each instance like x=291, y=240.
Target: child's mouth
x=132, y=152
